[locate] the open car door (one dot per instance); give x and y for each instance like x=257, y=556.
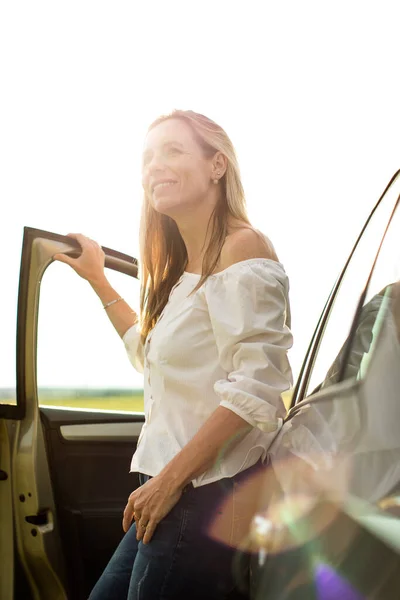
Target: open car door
x=67, y=440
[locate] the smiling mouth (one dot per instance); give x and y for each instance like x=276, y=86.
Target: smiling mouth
x=162, y=185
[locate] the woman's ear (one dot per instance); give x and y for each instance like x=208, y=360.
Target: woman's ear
x=219, y=165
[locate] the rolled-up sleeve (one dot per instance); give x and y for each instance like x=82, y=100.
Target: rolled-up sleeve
x=250, y=316
x=134, y=347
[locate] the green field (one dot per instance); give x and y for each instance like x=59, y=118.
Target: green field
x=114, y=403
x=132, y=403
x=89, y=400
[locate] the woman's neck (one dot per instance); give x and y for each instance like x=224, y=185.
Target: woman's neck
x=195, y=234
x=195, y=229
x=197, y=237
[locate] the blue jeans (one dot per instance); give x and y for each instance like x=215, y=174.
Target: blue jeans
x=182, y=561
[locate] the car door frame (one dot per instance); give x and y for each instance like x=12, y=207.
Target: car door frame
x=33, y=509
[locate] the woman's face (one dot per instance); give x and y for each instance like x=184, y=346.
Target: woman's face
x=176, y=175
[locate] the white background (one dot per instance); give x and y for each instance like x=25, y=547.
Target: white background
x=308, y=92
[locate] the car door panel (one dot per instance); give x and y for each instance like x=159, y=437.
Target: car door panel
x=6, y=512
x=89, y=459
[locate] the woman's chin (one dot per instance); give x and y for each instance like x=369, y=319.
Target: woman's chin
x=168, y=206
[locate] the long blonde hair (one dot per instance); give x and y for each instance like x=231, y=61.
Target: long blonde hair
x=163, y=252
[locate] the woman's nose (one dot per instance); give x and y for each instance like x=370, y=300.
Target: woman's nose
x=156, y=163
x=153, y=167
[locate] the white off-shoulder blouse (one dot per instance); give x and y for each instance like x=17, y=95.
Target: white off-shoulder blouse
x=225, y=345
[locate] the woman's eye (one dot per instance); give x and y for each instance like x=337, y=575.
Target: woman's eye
x=172, y=151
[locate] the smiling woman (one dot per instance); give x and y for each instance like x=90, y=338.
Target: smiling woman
x=183, y=155
x=211, y=339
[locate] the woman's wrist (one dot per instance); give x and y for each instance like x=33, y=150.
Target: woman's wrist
x=100, y=285
x=174, y=477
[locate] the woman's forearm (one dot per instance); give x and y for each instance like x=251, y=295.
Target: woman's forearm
x=221, y=429
x=120, y=313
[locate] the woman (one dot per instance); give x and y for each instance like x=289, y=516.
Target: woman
x=212, y=341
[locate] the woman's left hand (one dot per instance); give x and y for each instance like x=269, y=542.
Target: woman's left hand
x=148, y=505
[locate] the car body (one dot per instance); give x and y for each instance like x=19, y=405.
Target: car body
x=328, y=509
x=329, y=524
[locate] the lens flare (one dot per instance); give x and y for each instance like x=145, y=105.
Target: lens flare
x=331, y=586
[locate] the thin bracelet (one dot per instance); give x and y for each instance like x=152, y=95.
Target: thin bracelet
x=105, y=306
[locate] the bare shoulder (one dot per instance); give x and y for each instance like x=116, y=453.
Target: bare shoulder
x=243, y=244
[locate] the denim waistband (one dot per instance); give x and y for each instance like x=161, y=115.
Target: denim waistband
x=238, y=477
x=143, y=478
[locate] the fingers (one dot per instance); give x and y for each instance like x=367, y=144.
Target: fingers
x=79, y=237
x=83, y=240
x=64, y=258
x=149, y=531
x=145, y=528
x=92, y=256
x=129, y=514
x=141, y=525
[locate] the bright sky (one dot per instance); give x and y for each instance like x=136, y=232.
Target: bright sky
x=308, y=91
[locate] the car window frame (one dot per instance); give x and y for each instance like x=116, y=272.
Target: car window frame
x=118, y=261
x=300, y=389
